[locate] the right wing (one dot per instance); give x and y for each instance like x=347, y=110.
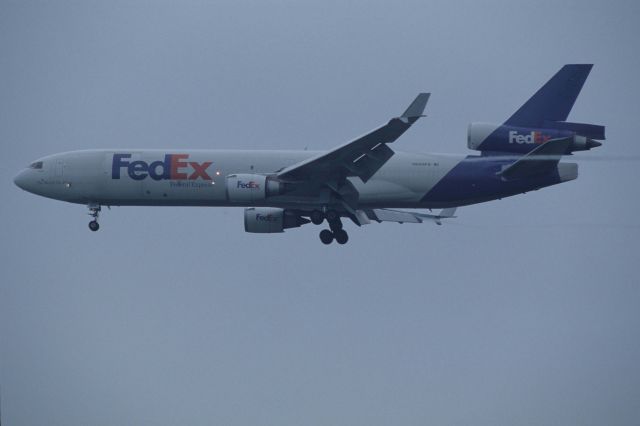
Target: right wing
x=362, y=156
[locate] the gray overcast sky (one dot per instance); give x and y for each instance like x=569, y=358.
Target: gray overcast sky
x=520, y=312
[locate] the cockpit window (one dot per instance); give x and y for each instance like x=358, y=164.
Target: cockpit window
x=37, y=165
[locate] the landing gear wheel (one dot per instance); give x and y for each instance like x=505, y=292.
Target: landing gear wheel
x=341, y=236
x=326, y=236
x=94, y=212
x=317, y=217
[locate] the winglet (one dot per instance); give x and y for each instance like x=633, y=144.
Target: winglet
x=416, y=108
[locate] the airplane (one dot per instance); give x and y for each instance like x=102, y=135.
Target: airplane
x=363, y=180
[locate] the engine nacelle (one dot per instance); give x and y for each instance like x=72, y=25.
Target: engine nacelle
x=505, y=138
x=248, y=188
x=264, y=220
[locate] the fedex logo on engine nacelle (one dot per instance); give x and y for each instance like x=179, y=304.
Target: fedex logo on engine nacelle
x=174, y=167
x=266, y=218
x=248, y=185
x=533, y=137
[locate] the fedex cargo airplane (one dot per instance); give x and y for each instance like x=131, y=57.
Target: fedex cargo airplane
x=363, y=180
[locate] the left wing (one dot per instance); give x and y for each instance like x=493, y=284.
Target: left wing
x=361, y=157
x=386, y=215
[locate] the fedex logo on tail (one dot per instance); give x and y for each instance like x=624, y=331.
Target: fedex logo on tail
x=173, y=167
x=533, y=137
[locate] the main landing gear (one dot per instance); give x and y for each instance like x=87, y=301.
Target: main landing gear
x=340, y=235
x=94, y=212
x=317, y=217
x=335, y=224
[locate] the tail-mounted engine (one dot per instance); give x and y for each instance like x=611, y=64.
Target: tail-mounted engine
x=505, y=138
x=268, y=220
x=247, y=188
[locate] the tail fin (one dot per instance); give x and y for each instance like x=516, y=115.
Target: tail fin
x=554, y=100
x=541, y=119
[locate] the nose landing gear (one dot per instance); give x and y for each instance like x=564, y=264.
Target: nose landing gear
x=94, y=212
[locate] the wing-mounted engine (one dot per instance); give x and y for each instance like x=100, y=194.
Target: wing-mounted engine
x=247, y=188
x=263, y=220
x=507, y=138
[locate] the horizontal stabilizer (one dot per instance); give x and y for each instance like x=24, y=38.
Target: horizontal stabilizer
x=591, y=131
x=541, y=160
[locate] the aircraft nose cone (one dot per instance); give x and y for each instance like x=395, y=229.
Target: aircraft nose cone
x=21, y=180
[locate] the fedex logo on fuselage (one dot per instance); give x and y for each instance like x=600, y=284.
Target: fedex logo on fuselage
x=533, y=137
x=173, y=167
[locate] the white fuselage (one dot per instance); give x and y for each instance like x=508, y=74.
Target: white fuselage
x=95, y=176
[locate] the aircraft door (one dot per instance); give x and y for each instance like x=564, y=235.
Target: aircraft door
x=58, y=170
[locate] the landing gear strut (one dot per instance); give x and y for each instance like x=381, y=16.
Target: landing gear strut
x=94, y=212
x=332, y=216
